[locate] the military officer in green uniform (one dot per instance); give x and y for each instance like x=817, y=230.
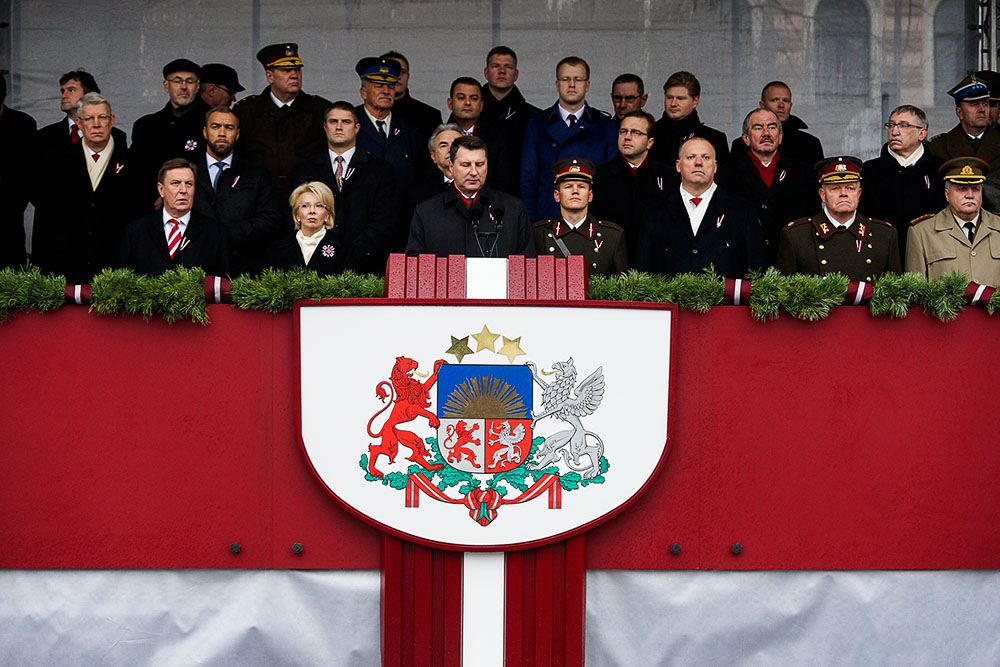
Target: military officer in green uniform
x=575, y=231
x=974, y=136
x=839, y=239
x=283, y=125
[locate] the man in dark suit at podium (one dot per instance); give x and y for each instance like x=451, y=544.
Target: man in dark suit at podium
x=701, y=224
x=468, y=218
x=175, y=236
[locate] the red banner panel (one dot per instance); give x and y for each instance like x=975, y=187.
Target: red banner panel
x=849, y=443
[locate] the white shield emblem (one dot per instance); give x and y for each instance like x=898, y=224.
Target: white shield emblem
x=484, y=426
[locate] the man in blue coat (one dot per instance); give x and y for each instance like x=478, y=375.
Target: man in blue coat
x=569, y=128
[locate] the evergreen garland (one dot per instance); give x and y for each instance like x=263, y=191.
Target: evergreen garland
x=179, y=294
x=894, y=294
x=29, y=290
x=276, y=291
x=943, y=296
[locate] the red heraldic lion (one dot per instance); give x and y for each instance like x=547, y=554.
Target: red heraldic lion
x=410, y=399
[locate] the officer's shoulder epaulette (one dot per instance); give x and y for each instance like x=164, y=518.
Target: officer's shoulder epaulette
x=799, y=222
x=921, y=218
x=612, y=225
x=875, y=221
x=541, y=223
x=937, y=136
x=603, y=113
x=243, y=100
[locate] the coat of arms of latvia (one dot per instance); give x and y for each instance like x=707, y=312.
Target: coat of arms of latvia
x=490, y=426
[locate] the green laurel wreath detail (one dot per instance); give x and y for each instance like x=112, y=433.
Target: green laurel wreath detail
x=450, y=477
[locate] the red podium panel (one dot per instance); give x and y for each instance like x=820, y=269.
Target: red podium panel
x=844, y=444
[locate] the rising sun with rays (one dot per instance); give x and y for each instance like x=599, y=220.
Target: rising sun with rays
x=484, y=397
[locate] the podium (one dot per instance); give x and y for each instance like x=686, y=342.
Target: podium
x=544, y=587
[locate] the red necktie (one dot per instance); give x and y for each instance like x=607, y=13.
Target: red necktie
x=572, y=120
x=74, y=134
x=96, y=156
x=174, y=239
x=695, y=200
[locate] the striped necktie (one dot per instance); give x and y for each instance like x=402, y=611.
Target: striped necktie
x=174, y=238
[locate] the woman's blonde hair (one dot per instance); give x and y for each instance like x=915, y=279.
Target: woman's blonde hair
x=321, y=192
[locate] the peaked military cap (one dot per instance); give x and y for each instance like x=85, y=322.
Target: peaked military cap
x=383, y=70
x=992, y=81
x=573, y=169
x=221, y=75
x=281, y=56
x=840, y=169
x=965, y=170
x=970, y=89
x=181, y=65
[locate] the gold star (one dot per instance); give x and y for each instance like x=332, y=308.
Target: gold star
x=485, y=340
x=459, y=347
x=511, y=348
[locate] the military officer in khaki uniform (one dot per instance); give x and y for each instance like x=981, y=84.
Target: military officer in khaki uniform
x=575, y=231
x=838, y=239
x=963, y=237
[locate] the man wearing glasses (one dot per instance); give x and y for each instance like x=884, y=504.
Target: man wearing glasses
x=974, y=136
x=903, y=183
x=85, y=200
x=569, y=128
x=628, y=93
x=173, y=131
x=632, y=181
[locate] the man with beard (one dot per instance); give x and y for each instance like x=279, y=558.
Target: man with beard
x=699, y=224
x=963, y=235
x=284, y=124
x=974, y=136
x=174, y=130
x=175, y=236
x=680, y=121
x=236, y=194
x=903, y=184
x=470, y=218
x=839, y=239
x=576, y=231
x=363, y=188
x=776, y=97
x=632, y=181
x=781, y=187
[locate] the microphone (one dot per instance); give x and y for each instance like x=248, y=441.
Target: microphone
x=475, y=211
